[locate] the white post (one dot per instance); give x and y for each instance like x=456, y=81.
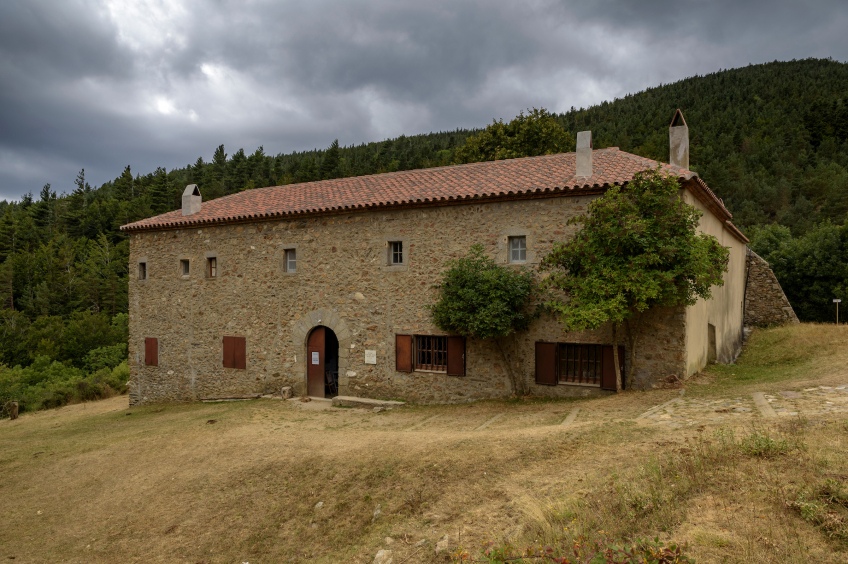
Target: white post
x=836, y=301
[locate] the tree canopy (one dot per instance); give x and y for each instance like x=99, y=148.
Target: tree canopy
x=481, y=299
x=528, y=135
x=636, y=248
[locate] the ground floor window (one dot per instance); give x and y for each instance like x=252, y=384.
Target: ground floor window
x=151, y=351
x=235, y=352
x=430, y=353
x=577, y=363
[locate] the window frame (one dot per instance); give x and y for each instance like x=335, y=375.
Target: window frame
x=142, y=270
x=289, y=254
x=405, y=247
x=212, y=267
x=394, y=249
x=504, y=247
x=408, y=349
x=185, y=267
x=430, y=347
x=511, y=239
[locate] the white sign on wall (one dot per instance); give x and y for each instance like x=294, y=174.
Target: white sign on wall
x=315, y=359
x=370, y=357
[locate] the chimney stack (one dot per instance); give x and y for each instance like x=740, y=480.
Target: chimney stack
x=584, y=154
x=191, y=199
x=678, y=141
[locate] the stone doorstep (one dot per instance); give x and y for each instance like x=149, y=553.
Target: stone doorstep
x=367, y=403
x=231, y=398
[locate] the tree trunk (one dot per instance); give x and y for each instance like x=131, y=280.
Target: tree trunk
x=631, y=329
x=616, y=363
x=516, y=383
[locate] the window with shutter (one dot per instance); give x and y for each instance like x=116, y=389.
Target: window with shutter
x=577, y=364
x=151, y=351
x=403, y=353
x=546, y=363
x=235, y=353
x=456, y=356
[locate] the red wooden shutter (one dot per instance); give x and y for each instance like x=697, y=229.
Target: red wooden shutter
x=239, y=353
x=151, y=351
x=235, y=354
x=456, y=356
x=228, y=352
x=546, y=368
x=403, y=353
x=608, y=368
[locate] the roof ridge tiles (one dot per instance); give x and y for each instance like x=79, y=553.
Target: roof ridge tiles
x=511, y=178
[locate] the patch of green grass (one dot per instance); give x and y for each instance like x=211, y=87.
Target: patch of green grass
x=778, y=355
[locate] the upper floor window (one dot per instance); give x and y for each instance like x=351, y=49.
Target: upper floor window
x=290, y=260
x=211, y=267
x=395, y=252
x=142, y=271
x=184, y=267
x=518, y=249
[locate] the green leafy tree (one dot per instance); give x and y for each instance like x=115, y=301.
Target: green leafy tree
x=637, y=248
x=528, y=135
x=483, y=300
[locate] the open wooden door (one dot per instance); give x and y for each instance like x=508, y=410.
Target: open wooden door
x=315, y=363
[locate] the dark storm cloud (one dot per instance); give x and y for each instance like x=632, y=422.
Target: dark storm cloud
x=105, y=83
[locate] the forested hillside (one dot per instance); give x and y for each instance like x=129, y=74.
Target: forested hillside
x=771, y=140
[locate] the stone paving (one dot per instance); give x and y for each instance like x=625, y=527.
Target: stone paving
x=683, y=412
x=678, y=413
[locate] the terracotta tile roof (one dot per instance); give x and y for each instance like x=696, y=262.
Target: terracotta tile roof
x=507, y=179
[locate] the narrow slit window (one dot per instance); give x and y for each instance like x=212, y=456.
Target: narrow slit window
x=518, y=249
x=184, y=267
x=211, y=267
x=142, y=271
x=290, y=262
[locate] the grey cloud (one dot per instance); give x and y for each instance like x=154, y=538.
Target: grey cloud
x=76, y=91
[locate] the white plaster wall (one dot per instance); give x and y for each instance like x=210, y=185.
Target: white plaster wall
x=724, y=309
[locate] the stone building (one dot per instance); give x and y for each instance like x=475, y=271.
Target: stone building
x=324, y=286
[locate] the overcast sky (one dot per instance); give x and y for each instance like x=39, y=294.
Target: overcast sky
x=101, y=84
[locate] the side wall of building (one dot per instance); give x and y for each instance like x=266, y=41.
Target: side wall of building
x=343, y=281
x=714, y=326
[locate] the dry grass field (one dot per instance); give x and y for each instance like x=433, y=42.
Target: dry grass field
x=276, y=481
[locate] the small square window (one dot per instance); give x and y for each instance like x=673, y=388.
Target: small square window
x=211, y=267
x=290, y=261
x=142, y=271
x=184, y=267
x=395, y=252
x=518, y=249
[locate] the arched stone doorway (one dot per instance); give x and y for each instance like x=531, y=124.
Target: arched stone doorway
x=322, y=363
x=302, y=329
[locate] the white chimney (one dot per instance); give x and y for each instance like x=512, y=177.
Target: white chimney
x=678, y=141
x=584, y=154
x=191, y=199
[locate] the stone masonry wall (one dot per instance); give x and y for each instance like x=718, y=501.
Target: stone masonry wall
x=765, y=302
x=343, y=282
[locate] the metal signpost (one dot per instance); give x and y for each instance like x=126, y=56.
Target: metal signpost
x=836, y=301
